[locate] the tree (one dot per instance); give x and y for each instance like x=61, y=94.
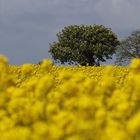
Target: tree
x=84, y=45
x=128, y=49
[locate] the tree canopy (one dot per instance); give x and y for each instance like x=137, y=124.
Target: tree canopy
x=128, y=49
x=83, y=44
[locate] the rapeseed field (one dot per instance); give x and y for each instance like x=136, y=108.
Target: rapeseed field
x=48, y=102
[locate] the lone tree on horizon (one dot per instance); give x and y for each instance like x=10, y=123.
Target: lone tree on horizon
x=84, y=45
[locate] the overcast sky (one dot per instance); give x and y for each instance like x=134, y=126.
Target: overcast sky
x=28, y=26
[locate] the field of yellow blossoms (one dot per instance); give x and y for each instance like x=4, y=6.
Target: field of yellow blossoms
x=47, y=102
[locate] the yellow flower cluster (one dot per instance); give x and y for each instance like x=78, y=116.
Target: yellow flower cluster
x=47, y=102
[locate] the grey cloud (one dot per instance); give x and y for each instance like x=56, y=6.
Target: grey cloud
x=28, y=26
x=120, y=14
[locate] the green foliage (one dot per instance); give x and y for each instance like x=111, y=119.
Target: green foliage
x=128, y=49
x=84, y=45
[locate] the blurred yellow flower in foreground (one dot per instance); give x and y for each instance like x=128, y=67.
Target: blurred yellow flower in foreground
x=39, y=102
